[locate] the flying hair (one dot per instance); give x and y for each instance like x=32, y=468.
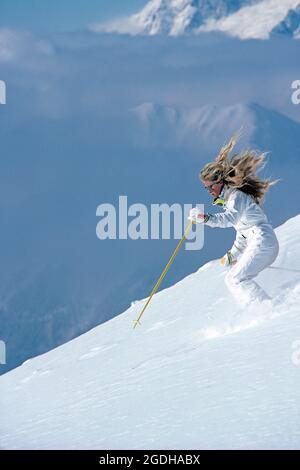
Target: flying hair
x=239, y=171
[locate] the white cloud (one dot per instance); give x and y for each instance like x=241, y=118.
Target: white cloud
x=17, y=44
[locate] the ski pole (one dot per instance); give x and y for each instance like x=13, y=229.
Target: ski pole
x=137, y=321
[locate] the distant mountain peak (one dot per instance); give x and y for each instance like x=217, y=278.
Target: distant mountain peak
x=256, y=21
x=173, y=17
x=240, y=18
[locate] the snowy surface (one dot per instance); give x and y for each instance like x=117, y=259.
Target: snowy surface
x=197, y=373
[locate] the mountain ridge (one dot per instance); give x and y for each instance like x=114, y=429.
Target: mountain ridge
x=245, y=19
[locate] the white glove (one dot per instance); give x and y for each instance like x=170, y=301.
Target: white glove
x=196, y=215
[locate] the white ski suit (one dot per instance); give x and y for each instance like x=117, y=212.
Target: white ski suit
x=255, y=247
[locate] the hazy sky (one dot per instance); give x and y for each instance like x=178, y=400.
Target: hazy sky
x=62, y=15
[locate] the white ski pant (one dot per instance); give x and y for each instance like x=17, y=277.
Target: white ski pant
x=260, y=252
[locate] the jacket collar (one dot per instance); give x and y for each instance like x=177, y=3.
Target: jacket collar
x=223, y=196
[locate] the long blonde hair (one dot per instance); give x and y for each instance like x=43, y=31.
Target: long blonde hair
x=238, y=172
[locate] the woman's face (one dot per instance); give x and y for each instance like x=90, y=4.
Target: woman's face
x=213, y=188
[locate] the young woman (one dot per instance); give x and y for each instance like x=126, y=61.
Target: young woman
x=234, y=185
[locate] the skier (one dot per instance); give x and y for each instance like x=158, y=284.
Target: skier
x=235, y=186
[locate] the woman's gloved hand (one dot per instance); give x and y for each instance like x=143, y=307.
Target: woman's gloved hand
x=197, y=216
x=228, y=259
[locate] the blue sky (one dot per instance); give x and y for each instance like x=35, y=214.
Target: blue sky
x=62, y=15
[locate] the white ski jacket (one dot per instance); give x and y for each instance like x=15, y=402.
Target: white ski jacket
x=247, y=217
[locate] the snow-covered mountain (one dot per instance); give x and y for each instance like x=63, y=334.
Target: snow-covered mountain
x=255, y=21
x=173, y=17
x=203, y=127
x=199, y=373
x=241, y=18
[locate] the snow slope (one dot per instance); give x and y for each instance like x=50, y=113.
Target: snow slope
x=197, y=374
x=245, y=19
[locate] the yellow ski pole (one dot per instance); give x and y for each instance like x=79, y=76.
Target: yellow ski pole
x=137, y=321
